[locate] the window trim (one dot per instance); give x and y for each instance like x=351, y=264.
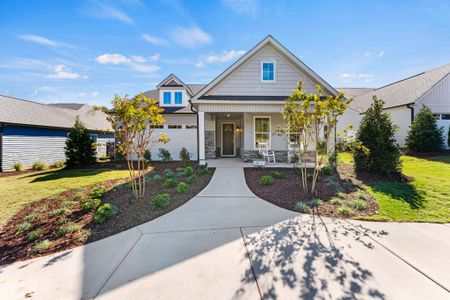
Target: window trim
x=164, y=97
x=274, y=71
x=254, y=131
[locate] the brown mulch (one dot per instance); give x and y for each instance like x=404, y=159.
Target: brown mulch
x=286, y=192
x=131, y=212
x=427, y=154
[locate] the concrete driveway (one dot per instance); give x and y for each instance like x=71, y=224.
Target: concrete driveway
x=226, y=243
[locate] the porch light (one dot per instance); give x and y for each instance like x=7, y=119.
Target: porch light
x=238, y=129
x=228, y=115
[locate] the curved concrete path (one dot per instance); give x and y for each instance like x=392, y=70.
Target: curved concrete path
x=226, y=243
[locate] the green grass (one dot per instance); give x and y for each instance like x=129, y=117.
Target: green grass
x=20, y=190
x=425, y=199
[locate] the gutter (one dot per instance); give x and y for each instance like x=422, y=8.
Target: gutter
x=412, y=111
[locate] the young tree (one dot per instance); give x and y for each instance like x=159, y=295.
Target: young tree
x=80, y=149
x=424, y=135
x=132, y=120
x=313, y=119
x=381, y=153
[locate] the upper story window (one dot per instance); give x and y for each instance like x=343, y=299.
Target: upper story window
x=167, y=98
x=268, y=71
x=178, y=98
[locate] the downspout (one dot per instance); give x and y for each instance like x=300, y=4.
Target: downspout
x=412, y=111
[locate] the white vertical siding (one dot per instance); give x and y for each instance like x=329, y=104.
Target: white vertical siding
x=401, y=116
x=437, y=98
x=246, y=79
x=223, y=107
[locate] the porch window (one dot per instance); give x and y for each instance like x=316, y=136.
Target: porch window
x=262, y=131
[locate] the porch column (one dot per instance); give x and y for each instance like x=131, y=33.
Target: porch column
x=201, y=138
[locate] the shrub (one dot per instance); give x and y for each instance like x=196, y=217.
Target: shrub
x=202, y=170
x=161, y=201
x=38, y=166
x=62, y=221
x=327, y=170
x=90, y=204
x=185, y=156
x=169, y=183
x=148, y=156
x=85, y=234
x=294, y=159
x=168, y=173
x=380, y=152
x=316, y=203
x=345, y=210
x=59, y=164
x=35, y=234
x=358, y=204
x=266, y=180
x=78, y=197
x=104, y=212
x=41, y=246
x=157, y=177
x=59, y=212
x=182, y=187
x=191, y=179
x=18, y=166
x=68, y=203
x=164, y=154
x=68, y=228
x=80, y=148
x=179, y=174
x=98, y=192
x=424, y=135
x=276, y=174
x=301, y=207
x=188, y=171
x=32, y=217
x=336, y=201
x=23, y=227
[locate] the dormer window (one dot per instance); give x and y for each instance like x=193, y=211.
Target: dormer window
x=267, y=71
x=167, y=98
x=178, y=98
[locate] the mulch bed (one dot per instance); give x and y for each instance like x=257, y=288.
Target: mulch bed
x=131, y=212
x=286, y=192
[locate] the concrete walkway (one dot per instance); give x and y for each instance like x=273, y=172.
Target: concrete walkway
x=226, y=243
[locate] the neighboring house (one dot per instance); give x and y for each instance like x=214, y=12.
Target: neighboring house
x=403, y=99
x=31, y=131
x=238, y=108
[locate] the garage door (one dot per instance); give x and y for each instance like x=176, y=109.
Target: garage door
x=180, y=136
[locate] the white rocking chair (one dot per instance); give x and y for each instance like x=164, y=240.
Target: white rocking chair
x=268, y=155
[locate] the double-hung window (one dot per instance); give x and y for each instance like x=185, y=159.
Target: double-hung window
x=167, y=98
x=267, y=71
x=262, y=131
x=178, y=98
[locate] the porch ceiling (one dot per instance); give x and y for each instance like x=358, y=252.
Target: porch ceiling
x=228, y=116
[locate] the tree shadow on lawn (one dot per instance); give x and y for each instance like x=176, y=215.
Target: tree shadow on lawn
x=400, y=191
x=301, y=260
x=64, y=173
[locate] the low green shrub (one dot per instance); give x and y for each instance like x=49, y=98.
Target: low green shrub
x=68, y=203
x=68, y=228
x=266, y=180
x=98, y=192
x=336, y=201
x=161, y=201
x=34, y=235
x=32, y=217
x=345, y=210
x=85, y=234
x=358, y=204
x=188, y=171
x=23, y=227
x=185, y=156
x=168, y=174
x=41, y=246
x=78, y=197
x=157, y=177
x=164, y=154
x=38, y=166
x=62, y=221
x=169, y=183
x=182, y=187
x=60, y=211
x=60, y=164
x=147, y=156
x=276, y=174
x=18, y=166
x=104, y=212
x=191, y=179
x=90, y=204
x=315, y=203
x=327, y=170
x=301, y=207
x=202, y=170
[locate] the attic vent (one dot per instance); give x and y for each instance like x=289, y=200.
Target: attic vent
x=172, y=83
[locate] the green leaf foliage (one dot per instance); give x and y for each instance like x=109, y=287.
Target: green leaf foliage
x=80, y=149
x=161, y=201
x=424, y=135
x=104, y=212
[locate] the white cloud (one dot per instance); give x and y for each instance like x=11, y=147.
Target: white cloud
x=84, y=95
x=200, y=64
x=220, y=58
x=62, y=72
x=243, y=7
x=381, y=54
x=154, y=40
x=349, y=77
x=136, y=63
x=155, y=57
x=368, y=53
x=101, y=10
x=190, y=37
x=113, y=58
x=138, y=58
x=37, y=39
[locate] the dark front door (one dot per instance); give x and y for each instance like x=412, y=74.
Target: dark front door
x=228, y=139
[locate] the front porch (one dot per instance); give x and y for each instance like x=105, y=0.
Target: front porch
x=237, y=162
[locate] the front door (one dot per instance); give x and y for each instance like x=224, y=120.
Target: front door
x=228, y=139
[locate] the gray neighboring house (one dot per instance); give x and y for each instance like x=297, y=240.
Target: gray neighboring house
x=32, y=131
x=403, y=99
x=239, y=108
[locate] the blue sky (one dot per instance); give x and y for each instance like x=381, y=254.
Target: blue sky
x=88, y=51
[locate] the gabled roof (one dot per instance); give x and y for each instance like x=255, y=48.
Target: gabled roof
x=268, y=40
x=354, y=93
x=173, y=81
x=405, y=91
x=25, y=112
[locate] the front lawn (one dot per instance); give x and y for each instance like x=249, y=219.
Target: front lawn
x=19, y=190
x=424, y=199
